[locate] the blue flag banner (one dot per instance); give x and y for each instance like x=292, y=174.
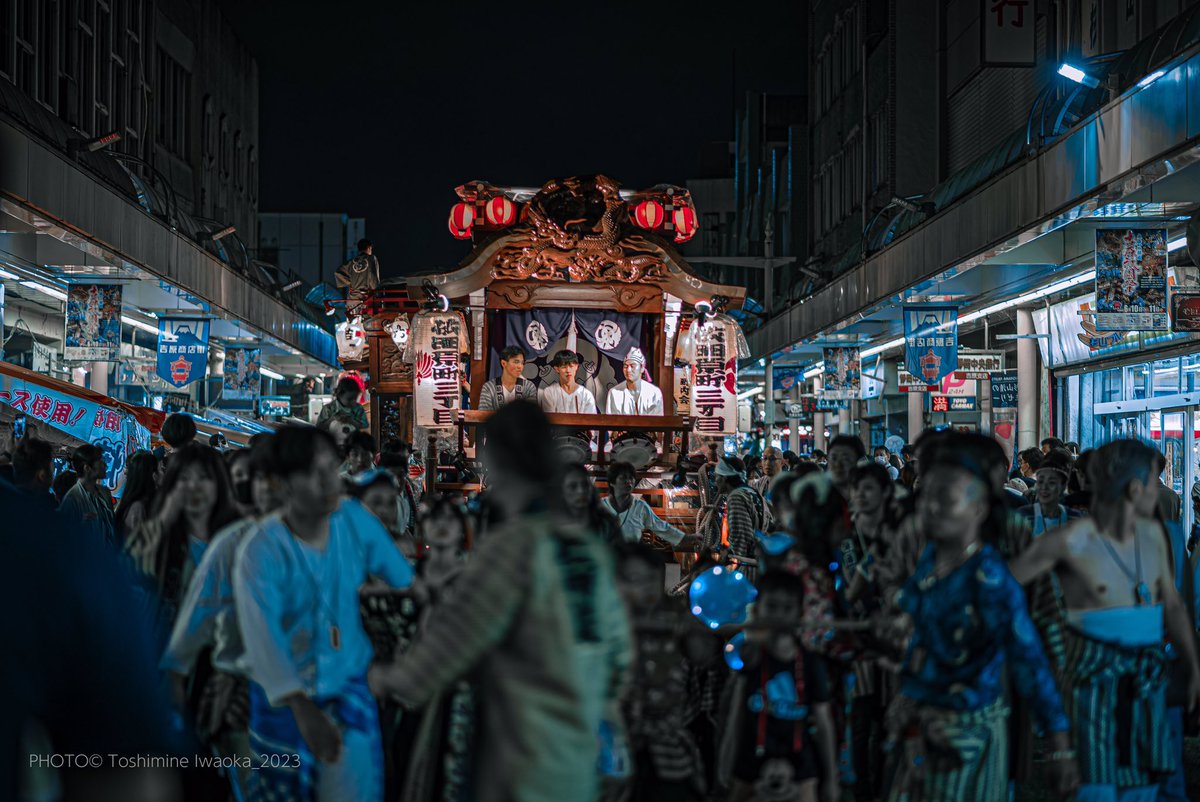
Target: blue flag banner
x=931, y=341
x=786, y=378
x=182, y=350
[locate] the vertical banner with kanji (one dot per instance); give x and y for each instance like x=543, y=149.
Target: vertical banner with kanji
x=1131, y=279
x=714, y=377
x=436, y=343
x=931, y=341
x=93, y=330
x=242, y=378
x=842, y=376
x=182, y=350
x=1004, y=411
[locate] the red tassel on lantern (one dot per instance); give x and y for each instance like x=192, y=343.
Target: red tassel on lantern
x=500, y=211
x=684, y=219
x=462, y=217
x=648, y=214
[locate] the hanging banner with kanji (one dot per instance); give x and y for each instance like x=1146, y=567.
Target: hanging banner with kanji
x=93, y=331
x=242, y=376
x=436, y=342
x=842, y=376
x=182, y=350
x=714, y=376
x=1131, y=279
x=112, y=429
x=931, y=341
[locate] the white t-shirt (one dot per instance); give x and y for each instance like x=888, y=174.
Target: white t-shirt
x=555, y=399
x=640, y=517
x=646, y=400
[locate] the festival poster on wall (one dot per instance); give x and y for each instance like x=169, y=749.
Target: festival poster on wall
x=436, y=341
x=93, y=331
x=714, y=377
x=1131, y=279
x=115, y=432
x=242, y=378
x=842, y=376
x=182, y=350
x=931, y=341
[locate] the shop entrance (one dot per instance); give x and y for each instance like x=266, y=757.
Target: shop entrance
x=1172, y=425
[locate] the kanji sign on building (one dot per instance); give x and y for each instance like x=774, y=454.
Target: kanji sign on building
x=1009, y=36
x=115, y=432
x=714, y=378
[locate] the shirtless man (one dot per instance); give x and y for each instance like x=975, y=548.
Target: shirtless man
x=1120, y=596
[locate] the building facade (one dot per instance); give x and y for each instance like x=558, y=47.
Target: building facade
x=309, y=246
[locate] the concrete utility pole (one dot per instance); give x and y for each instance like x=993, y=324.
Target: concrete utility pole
x=767, y=262
x=1027, y=381
x=916, y=414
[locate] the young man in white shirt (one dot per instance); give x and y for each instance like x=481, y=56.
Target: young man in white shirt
x=634, y=396
x=633, y=513
x=566, y=395
x=314, y=726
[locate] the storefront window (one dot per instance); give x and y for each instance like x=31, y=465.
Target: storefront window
x=1107, y=386
x=1189, y=373
x=1166, y=377
x=1135, y=382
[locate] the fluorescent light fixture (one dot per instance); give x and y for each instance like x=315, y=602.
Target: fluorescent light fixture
x=137, y=324
x=42, y=288
x=1073, y=73
x=1176, y=244
x=290, y=287
x=270, y=374
x=750, y=393
x=224, y=232
x=9, y=276
x=1151, y=78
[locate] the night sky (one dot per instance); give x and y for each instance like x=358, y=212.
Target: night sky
x=381, y=111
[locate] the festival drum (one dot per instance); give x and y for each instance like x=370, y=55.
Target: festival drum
x=635, y=448
x=574, y=447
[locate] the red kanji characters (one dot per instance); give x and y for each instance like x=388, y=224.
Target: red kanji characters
x=62, y=413
x=112, y=422
x=41, y=406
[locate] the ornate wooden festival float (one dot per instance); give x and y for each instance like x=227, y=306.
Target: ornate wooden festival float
x=579, y=264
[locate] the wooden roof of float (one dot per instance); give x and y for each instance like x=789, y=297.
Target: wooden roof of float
x=577, y=241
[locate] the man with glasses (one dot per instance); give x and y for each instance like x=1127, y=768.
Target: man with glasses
x=772, y=463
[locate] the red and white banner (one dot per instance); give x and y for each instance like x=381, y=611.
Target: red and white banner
x=437, y=341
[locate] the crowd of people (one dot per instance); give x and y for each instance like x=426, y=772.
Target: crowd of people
x=925, y=627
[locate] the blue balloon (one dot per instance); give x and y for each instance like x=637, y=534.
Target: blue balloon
x=721, y=595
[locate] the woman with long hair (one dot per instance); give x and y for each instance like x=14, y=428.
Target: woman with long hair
x=581, y=501
x=192, y=505
x=137, y=496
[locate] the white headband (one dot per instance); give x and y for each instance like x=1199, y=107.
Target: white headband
x=635, y=355
x=725, y=469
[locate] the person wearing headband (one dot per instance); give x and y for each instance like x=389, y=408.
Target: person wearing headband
x=634, y=396
x=738, y=513
x=566, y=395
x=1047, y=511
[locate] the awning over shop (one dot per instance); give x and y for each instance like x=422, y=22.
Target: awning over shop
x=117, y=428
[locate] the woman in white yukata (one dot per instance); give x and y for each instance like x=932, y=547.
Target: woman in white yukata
x=314, y=726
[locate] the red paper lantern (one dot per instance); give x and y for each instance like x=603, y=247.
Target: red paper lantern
x=500, y=211
x=648, y=214
x=462, y=217
x=684, y=219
